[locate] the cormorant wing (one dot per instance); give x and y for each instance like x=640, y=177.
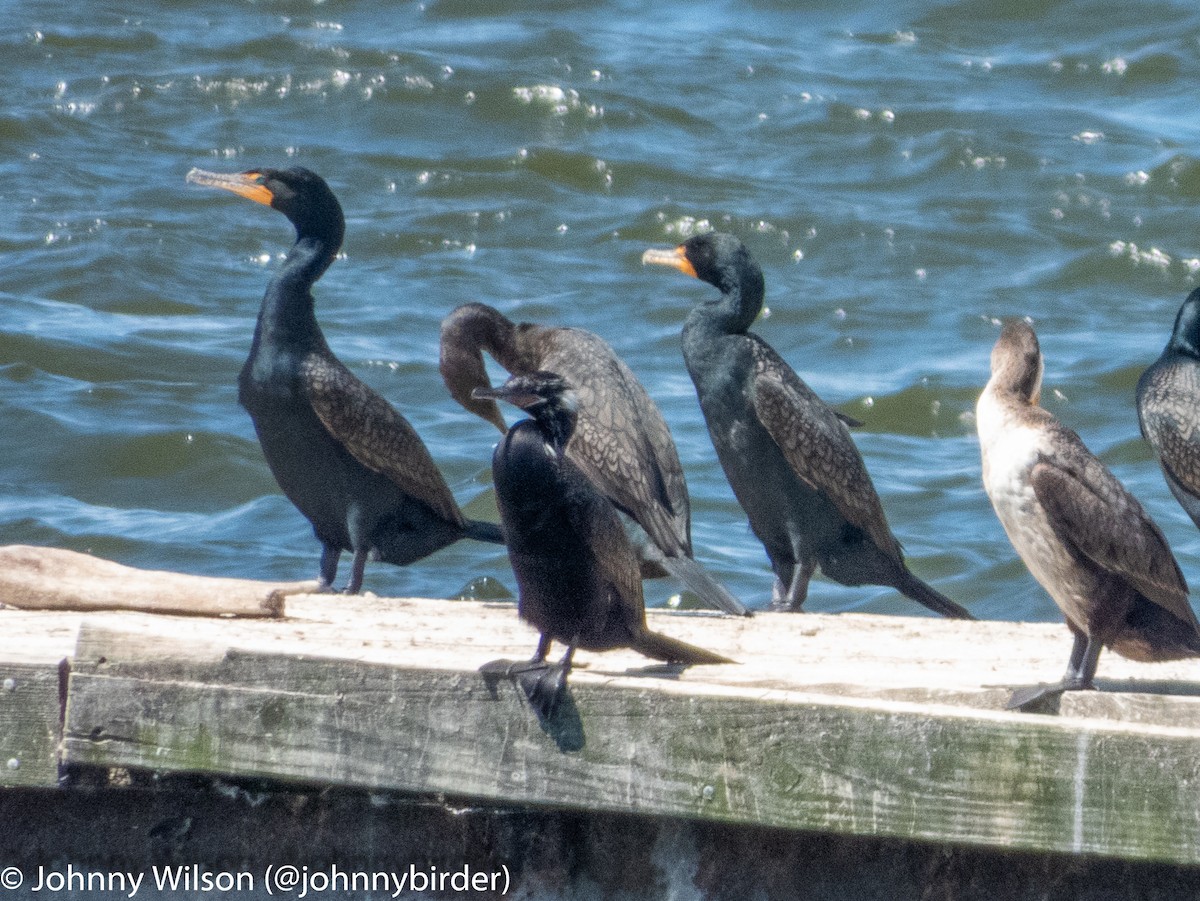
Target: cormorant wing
x=1093, y=513
x=621, y=440
x=817, y=445
x=1165, y=427
x=374, y=433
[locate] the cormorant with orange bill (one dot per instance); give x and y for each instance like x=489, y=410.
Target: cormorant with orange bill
x=789, y=458
x=340, y=452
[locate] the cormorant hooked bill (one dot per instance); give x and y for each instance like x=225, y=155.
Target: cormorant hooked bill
x=621, y=441
x=789, y=458
x=340, y=452
x=577, y=574
x=1168, y=402
x=1084, y=537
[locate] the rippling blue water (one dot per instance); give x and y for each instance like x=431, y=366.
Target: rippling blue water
x=906, y=174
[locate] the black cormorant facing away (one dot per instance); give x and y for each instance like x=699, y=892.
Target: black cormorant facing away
x=1168, y=401
x=1084, y=537
x=789, y=458
x=621, y=441
x=577, y=574
x=340, y=452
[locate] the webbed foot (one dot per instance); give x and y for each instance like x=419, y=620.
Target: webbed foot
x=1037, y=698
x=544, y=687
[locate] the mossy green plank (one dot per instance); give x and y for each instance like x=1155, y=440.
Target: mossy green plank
x=30, y=724
x=655, y=746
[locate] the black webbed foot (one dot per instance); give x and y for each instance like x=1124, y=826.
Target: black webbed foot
x=507, y=669
x=1044, y=697
x=544, y=687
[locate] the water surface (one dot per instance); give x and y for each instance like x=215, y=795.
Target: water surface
x=907, y=174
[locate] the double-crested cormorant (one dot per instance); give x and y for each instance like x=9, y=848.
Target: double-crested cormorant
x=341, y=453
x=789, y=458
x=577, y=574
x=1168, y=401
x=621, y=441
x=1084, y=537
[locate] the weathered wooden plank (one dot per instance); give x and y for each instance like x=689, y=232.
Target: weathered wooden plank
x=33, y=651
x=30, y=724
x=925, y=660
x=719, y=743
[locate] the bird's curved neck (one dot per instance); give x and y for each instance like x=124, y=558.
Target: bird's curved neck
x=287, y=309
x=466, y=334
x=1016, y=386
x=497, y=334
x=736, y=309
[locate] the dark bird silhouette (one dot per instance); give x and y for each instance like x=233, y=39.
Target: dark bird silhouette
x=340, y=452
x=789, y=458
x=1084, y=537
x=621, y=441
x=1168, y=402
x=577, y=574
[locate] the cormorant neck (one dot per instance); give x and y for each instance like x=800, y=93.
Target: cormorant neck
x=466, y=333
x=1017, y=382
x=287, y=309
x=1185, y=339
x=556, y=420
x=740, y=302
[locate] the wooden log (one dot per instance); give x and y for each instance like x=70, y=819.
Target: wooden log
x=43, y=578
x=899, y=733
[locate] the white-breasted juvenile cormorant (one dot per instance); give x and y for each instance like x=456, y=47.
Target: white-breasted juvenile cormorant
x=578, y=577
x=340, y=452
x=1168, y=402
x=789, y=458
x=621, y=441
x=1084, y=537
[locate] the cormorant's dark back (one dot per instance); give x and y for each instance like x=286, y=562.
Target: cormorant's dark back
x=577, y=574
x=789, y=458
x=340, y=452
x=1168, y=401
x=621, y=441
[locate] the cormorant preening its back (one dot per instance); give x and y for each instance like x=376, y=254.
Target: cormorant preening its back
x=577, y=574
x=789, y=458
x=621, y=441
x=1168, y=401
x=341, y=453
x=1084, y=537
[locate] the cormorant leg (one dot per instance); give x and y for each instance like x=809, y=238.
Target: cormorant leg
x=778, y=593
x=329, y=567
x=510, y=669
x=1081, y=669
x=543, y=648
x=792, y=599
x=357, y=568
